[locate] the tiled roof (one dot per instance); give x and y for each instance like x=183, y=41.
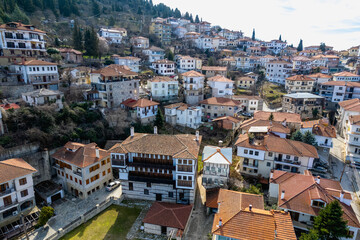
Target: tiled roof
x=69, y=50
x=319, y=75
x=299, y=199
x=355, y=120
x=42, y=92
x=220, y=78
x=36, y=63
x=280, y=145
x=214, y=68
x=127, y=57
x=351, y=105
x=20, y=26
x=162, y=79
x=299, y=78
x=170, y=145
x=230, y=118
x=192, y=74
x=115, y=70
x=176, y=105
x=239, y=97
x=325, y=131
x=141, y=103
x=221, y=101
x=273, y=126
x=278, y=116
x=341, y=83
x=14, y=168
x=245, y=79
x=81, y=155
x=164, y=61
x=217, y=155
x=345, y=74
x=7, y=106
x=168, y=214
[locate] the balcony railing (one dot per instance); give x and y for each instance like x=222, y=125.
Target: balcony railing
x=184, y=168
x=184, y=183
x=151, y=177
x=9, y=205
x=152, y=163
x=7, y=191
x=78, y=173
x=287, y=161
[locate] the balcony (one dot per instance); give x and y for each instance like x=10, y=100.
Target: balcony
x=287, y=162
x=151, y=177
x=326, y=145
x=78, y=173
x=184, y=168
x=9, y=205
x=249, y=165
x=118, y=162
x=183, y=183
x=6, y=192
x=152, y=163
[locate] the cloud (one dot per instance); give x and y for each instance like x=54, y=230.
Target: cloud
x=342, y=30
x=289, y=9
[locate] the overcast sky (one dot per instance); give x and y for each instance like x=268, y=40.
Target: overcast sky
x=335, y=22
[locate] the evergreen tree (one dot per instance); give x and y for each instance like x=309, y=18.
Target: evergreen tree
x=280, y=38
x=57, y=42
x=309, y=138
x=64, y=7
x=271, y=117
x=253, y=35
x=300, y=46
x=18, y=16
x=322, y=47
x=111, y=22
x=139, y=11
x=329, y=224
x=315, y=112
x=95, y=8
x=187, y=16
x=77, y=37
x=169, y=55
x=297, y=136
x=159, y=119
x=177, y=13
x=191, y=18
x=29, y=6
x=211, y=61
x=197, y=20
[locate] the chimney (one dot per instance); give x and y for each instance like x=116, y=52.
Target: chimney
x=318, y=179
x=155, y=130
x=250, y=207
x=220, y=143
x=97, y=153
x=220, y=222
x=197, y=136
x=132, y=131
x=272, y=174
x=342, y=196
x=282, y=194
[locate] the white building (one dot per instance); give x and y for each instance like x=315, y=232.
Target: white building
x=132, y=62
x=346, y=76
x=322, y=131
x=193, y=87
x=352, y=136
x=180, y=32
x=164, y=67
x=278, y=71
x=16, y=190
x=39, y=73
x=299, y=83
x=140, y=42
x=346, y=109
x=216, y=162
x=338, y=91
x=221, y=86
x=249, y=104
x=275, y=46
x=242, y=62
x=320, y=78
x=113, y=35
x=44, y=96
x=301, y=64
x=163, y=88
x=204, y=42
x=143, y=110
x=183, y=115
x=187, y=63
x=154, y=54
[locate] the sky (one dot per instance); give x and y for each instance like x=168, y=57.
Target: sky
x=334, y=22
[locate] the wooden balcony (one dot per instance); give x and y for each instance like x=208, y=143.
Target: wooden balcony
x=184, y=168
x=151, y=177
x=183, y=183
x=152, y=163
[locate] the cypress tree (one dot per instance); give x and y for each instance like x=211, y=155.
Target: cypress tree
x=197, y=20
x=300, y=46
x=77, y=38
x=253, y=35
x=95, y=8
x=280, y=38
x=297, y=136
x=309, y=138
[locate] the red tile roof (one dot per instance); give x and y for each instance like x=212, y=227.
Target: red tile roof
x=278, y=116
x=220, y=101
x=8, y=106
x=299, y=78
x=220, y=78
x=192, y=74
x=351, y=105
x=131, y=103
x=14, y=168
x=273, y=126
x=35, y=63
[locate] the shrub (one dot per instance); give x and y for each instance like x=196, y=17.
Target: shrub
x=45, y=214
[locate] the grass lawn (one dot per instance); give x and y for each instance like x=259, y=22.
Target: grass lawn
x=113, y=223
x=273, y=93
x=200, y=163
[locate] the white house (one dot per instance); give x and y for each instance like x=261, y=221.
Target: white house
x=301, y=64
x=204, y=42
x=346, y=109
x=322, y=131
x=132, y=62
x=142, y=109
x=216, y=162
x=163, y=88
x=140, y=42
x=164, y=67
x=299, y=83
x=337, y=91
x=183, y=115
x=113, y=35
x=44, y=96
x=154, y=54
x=275, y=46
x=221, y=86
x=187, y=63
x=193, y=87
x=16, y=190
x=39, y=73
x=346, y=76
x=249, y=104
x=320, y=78
x=352, y=140
x=180, y=32
x=278, y=71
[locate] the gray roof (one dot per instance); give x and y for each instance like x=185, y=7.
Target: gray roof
x=302, y=95
x=42, y=92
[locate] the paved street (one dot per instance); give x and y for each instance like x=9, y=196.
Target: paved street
x=69, y=210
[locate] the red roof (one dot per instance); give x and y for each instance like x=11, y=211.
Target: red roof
x=8, y=106
x=131, y=103
x=168, y=215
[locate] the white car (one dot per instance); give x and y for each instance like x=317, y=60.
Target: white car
x=111, y=186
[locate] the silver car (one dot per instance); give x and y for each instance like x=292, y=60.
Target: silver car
x=111, y=186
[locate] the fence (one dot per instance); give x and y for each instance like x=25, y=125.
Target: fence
x=85, y=217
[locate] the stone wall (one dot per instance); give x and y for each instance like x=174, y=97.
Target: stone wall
x=15, y=91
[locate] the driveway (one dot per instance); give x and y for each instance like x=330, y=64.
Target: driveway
x=69, y=208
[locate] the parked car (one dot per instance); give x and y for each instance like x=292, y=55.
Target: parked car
x=245, y=114
x=111, y=186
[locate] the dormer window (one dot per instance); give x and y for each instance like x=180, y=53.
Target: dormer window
x=319, y=204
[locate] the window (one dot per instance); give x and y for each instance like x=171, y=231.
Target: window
x=256, y=153
x=251, y=152
x=171, y=194
x=245, y=151
x=24, y=193
x=71, y=178
x=93, y=168
x=103, y=162
x=76, y=180
x=87, y=181
x=109, y=170
x=287, y=156
x=80, y=182
x=296, y=158
x=270, y=154
x=318, y=204
x=146, y=191
x=268, y=164
x=22, y=181
x=148, y=184
x=104, y=173
x=67, y=175
x=131, y=186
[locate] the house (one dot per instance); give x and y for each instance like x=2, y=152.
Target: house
x=338, y=91
x=216, y=162
x=212, y=71
x=276, y=46
x=187, y=63
x=310, y=195
x=301, y=64
x=205, y=42
x=44, y=96
x=131, y=62
x=70, y=55
x=278, y=71
x=249, y=103
x=82, y=168
x=242, y=62
x=245, y=82
x=346, y=109
x=303, y=104
x=162, y=30
x=228, y=122
x=299, y=83
x=164, y=67
x=346, y=76
x=183, y=115
x=139, y=42
x=18, y=39
x=319, y=78
x=170, y=161
x=115, y=84
x=354, y=51
x=163, y=88
x=154, y=53
x=39, y=73
x=193, y=87
x=143, y=109
x=16, y=190
x=79, y=75
x=229, y=62
x=113, y=35
x=48, y=192
x=352, y=134
x=291, y=120
x=180, y=32
x=219, y=106
x=322, y=131
x=168, y=219
x=242, y=216
x=221, y=86
x=261, y=152
x=275, y=128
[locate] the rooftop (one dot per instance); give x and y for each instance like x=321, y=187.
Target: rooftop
x=221, y=101
x=273, y=126
x=300, y=78
x=278, y=116
x=14, y=168
x=141, y=103
x=217, y=155
x=351, y=105
x=220, y=78
x=301, y=95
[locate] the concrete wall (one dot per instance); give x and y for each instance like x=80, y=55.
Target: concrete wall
x=15, y=91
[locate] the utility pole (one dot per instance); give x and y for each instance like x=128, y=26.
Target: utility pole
x=24, y=226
